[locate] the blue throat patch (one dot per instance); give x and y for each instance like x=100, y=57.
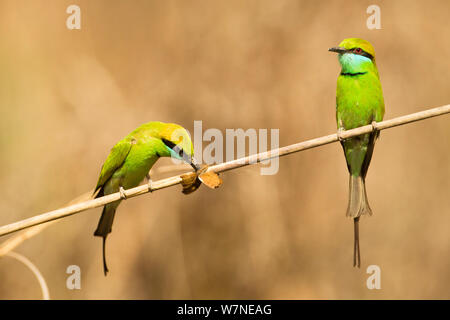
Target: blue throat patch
x=353, y=64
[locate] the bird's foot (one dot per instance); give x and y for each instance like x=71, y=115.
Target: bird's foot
x=339, y=134
x=149, y=183
x=374, y=125
x=123, y=196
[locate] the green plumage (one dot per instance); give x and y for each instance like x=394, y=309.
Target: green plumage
x=131, y=159
x=359, y=102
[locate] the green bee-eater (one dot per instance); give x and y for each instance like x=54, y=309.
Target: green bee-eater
x=130, y=161
x=359, y=102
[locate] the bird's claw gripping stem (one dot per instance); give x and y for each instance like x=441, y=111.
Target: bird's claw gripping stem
x=123, y=196
x=150, y=183
x=374, y=125
x=339, y=134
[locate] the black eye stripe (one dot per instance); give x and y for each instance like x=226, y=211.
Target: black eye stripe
x=168, y=143
x=173, y=146
x=368, y=55
x=362, y=53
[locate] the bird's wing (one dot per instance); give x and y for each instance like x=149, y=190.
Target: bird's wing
x=114, y=161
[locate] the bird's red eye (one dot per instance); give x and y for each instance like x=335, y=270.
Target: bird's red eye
x=358, y=50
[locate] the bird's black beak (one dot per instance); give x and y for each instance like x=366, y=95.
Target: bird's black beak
x=338, y=50
x=190, y=159
x=194, y=164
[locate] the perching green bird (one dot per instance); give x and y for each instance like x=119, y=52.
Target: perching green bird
x=130, y=161
x=359, y=102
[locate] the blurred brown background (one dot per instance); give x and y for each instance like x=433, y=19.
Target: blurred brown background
x=67, y=96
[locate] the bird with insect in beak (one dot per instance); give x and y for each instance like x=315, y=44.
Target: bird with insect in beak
x=359, y=102
x=131, y=159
